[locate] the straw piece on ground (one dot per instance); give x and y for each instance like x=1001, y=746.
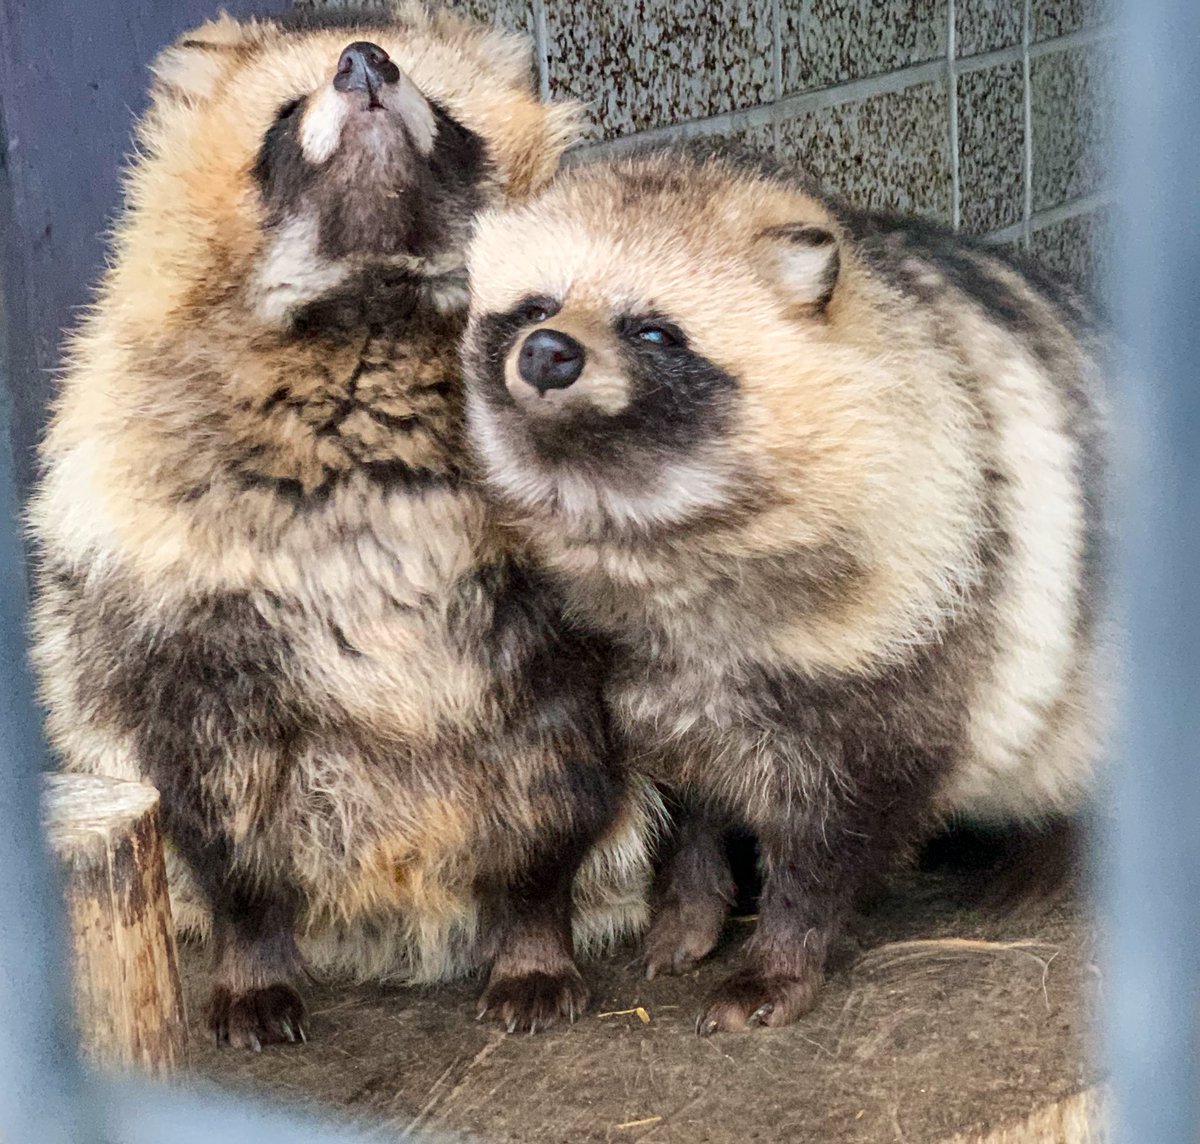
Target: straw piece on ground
x=900, y=952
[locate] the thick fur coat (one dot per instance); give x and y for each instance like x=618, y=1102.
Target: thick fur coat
x=831, y=481
x=267, y=583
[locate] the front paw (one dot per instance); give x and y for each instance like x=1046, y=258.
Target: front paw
x=750, y=998
x=257, y=1017
x=683, y=933
x=528, y=1002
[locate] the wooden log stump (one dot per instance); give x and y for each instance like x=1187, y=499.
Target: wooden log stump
x=128, y=996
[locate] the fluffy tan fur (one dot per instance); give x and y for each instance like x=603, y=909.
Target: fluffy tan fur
x=831, y=481
x=171, y=403
x=861, y=433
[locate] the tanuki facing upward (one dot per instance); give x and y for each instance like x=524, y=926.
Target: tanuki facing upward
x=266, y=583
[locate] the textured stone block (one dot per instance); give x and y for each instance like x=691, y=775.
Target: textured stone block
x=986, y=25
x=1072, y=123
x=889, y=151
x=991, y=147
x=647, y=63
x=1057, y=17
x=828, y=41
x=510, y=14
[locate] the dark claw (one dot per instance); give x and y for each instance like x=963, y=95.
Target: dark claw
x=256, y=1018
x=535, y=1001
x=750, y=999
x=760, y=1014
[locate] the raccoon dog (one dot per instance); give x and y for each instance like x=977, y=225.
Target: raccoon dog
x=266, y=583
x=829, y=480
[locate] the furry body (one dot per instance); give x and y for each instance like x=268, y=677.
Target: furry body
x=830, y=481
x=267, y=584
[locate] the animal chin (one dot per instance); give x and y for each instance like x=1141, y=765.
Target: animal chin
x=363, y=103
x=374, y=150
x=551, y=406
x=341, y=123
x=378, y=130
x=366, y=101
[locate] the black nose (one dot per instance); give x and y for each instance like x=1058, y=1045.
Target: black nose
x=365, y=67
x=550, y=360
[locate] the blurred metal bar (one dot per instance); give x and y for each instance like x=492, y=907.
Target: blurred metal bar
x=42, y=1088
x=1152, y=892
x=153, y=1115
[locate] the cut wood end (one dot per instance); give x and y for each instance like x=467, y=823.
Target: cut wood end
x=74, y=804
x=129, y=1005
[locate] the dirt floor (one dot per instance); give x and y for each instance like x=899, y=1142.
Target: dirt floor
x=936, y=1020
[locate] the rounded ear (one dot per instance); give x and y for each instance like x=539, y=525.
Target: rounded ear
x=802, y=260
x=192, y=66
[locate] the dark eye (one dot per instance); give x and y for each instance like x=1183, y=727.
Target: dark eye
x=535, y=312
x=287, y=110
x=657, y=335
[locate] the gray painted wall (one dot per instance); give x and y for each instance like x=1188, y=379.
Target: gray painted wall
x=72, y=77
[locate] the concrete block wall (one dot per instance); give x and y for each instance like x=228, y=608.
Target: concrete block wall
x=991, y=115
